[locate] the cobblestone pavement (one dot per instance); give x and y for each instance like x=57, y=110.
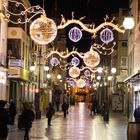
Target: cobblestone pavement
x=78, y=125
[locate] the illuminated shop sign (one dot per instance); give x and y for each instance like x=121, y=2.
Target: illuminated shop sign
x=16, y=63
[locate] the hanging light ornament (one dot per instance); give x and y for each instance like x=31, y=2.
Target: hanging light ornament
x=54, y=61
x=81, y=83
x=75, y=34
x=75, y=61
x=74, y=72
x=87, y=73
x=43, y=30
x=106, y=35
x=91, y=58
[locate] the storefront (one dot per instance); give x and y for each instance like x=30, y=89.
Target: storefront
x=133, y=93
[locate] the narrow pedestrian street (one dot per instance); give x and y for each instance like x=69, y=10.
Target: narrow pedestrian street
x=78, y=125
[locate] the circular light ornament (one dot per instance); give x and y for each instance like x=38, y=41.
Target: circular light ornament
x=87, y=73
x=72, y=83
x=128, y=22
x=91, y=58
x=43, y=30
x=106, y=36
x=54, y=61
x=81, y=83
x=75, y=61
x=75, y=34
x=74, y=72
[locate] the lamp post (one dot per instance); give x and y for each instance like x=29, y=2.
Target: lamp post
x=38, y=55
x=38, y=95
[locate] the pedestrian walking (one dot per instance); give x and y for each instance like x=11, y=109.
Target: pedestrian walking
x=4, y=121
x=50, y=111
x=65, y=109
x=27, y=118
x=12, y=111
x=137, y=114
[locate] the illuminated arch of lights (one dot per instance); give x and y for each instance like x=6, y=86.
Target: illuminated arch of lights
x=32, y=11
x=90, y=28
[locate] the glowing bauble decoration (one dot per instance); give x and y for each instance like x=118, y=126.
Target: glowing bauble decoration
x=74, y=72
x=75, y=61
x=75, y=34
x=72, y=83
x=91, y=58
x=81, y=83
x=87, y=73
x=43, y=30
x=54, y=61
x=106, y=36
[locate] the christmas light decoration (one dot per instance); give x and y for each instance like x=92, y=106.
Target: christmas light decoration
x=75, y=61
x=43, y=30
x=81, y=83
x=91, y=58
x=54, y=61
x=25, y=15
x=106, y=36
x=75, y=34
x=74, y=72
x=91, y=28
x=87, y=73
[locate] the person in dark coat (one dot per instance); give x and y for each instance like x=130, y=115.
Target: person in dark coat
x=12, y=111
x=137, y=114
x=4, y=121
x=49, y=113
x=27, y=118
x=65, y=108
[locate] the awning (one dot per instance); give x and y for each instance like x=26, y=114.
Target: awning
x=133, y=78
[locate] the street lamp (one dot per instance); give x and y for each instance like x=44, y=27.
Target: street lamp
x=128, y=22
x=39, y=56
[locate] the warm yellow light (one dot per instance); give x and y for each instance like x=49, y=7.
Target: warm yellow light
x=32, y=68
x=100, y=70
x=46, y=68
x=59, y=76
x=48, y=76
x=113, y=70
x=81, y=83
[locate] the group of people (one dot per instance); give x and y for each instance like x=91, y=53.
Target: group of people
x=7, y=117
